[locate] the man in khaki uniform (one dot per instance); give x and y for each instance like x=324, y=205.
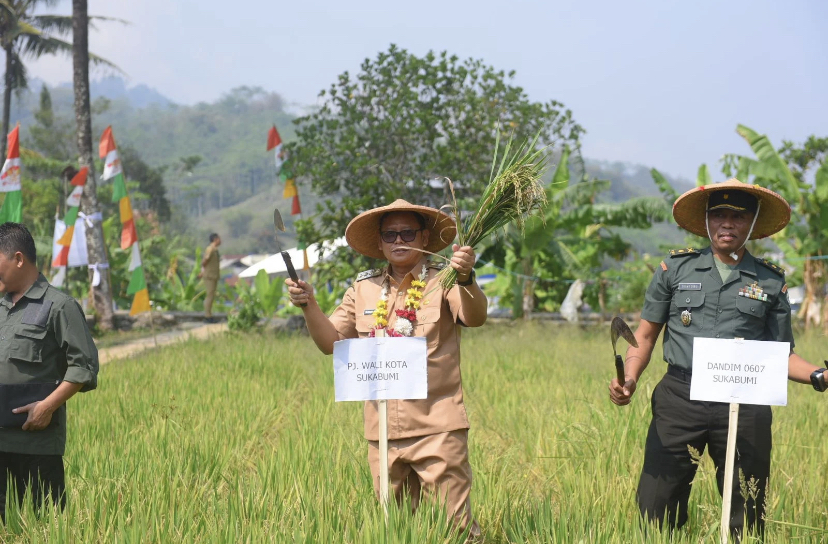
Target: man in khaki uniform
x=46, y=356
x=428, y=439
x=210, y=273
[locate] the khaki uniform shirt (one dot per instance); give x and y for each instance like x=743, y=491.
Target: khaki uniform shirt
x=689, y=281
x=44, y=338
x=211, y=269
x=437, y=321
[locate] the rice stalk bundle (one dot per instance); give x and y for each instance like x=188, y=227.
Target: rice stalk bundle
x=513, y=194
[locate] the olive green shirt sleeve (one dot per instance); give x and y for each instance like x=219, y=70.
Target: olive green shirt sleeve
x=658, y=297
x=778, y=324
x=73, y=337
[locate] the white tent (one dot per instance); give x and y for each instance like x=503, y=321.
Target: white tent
x=275, y=265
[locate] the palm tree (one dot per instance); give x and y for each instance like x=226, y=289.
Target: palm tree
x=102, y=293
x=26, y=35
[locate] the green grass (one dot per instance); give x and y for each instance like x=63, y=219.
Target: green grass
x=238, y=440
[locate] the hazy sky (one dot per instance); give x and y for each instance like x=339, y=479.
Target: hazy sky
x=659, y=82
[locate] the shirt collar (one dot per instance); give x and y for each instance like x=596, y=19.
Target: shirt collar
x=34, y=292
x=746, y=265
x=38, y=288
x=414, y=273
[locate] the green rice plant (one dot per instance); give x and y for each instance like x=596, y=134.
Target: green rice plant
x=238, y=439
x=514, y=192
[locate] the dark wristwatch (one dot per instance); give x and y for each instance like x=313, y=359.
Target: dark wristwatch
x=468, y=281
x=818, y=380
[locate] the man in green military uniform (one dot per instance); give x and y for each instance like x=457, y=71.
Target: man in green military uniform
x=46, y=356
x=719, y=292
x=210, y=273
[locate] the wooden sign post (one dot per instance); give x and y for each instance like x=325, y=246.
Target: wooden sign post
x=730, y=460
x=381, y=369
x=737, y=372
x=382, y=409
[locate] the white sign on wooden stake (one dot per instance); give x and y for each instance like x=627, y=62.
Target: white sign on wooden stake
x=740, y=371
x=380, y=368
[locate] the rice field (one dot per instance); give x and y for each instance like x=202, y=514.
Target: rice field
x=237, y=439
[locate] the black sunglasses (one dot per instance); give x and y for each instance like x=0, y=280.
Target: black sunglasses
x=407, y=235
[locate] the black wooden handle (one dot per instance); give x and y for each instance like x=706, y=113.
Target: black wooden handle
x=619, y=369
x=291, y=271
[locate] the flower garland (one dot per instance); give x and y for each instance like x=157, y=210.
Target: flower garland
x=407, y=316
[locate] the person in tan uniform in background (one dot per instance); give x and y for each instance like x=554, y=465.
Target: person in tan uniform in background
x=427, y=439
x=210, y=273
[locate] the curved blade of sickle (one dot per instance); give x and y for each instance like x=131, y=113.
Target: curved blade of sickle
x=619, y=328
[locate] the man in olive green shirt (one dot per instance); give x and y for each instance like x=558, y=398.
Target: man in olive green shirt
x=719, y=292
x=46, y=355
x=210, y=272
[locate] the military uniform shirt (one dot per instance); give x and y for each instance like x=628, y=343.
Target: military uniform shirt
x=689, y=280
x=44, y=338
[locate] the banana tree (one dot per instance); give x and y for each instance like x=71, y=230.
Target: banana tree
x=572, y=239
x=805, y=239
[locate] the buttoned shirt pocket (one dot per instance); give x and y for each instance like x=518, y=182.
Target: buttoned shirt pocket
x=27, y=344
x=693, y=303
x=427, y=325
x=364, y=324
x=750, y=321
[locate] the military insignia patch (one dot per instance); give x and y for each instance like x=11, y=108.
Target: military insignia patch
x=37, y=313
x=374, y=272
x=778, y=269
x=754, y=292
x=686, y=318
x=683, y=252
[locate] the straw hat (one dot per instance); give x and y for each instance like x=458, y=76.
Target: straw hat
x=774, y=211
x=363, y=232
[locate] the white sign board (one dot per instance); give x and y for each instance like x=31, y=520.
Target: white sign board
x=740, y=371
x=380, y=368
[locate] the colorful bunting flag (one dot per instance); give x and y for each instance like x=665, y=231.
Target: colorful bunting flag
x=290, y=189
x=274, y=141
x=129, y=235
x=12, y=209
x=61, y=259
x=295, y=208
x=68, y=256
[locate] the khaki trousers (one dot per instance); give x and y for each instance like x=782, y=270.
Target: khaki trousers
x=210, y=285
x=437, y=465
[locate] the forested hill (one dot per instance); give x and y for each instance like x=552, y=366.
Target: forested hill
x=227, y=189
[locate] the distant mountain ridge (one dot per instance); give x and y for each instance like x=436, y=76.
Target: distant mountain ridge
x=114, y=88
x=235, y=180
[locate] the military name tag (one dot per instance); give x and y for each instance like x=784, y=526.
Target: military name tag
x=368, y=312
x=689, y=287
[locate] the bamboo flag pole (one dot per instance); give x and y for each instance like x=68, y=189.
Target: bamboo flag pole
x=730, y=458
x=382, y=406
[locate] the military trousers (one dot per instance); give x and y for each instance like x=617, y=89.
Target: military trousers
x=42, y=475
x=436, y=465
x=679, y=424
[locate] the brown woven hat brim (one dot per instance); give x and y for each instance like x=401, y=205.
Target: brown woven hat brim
x=363, y=234
x=774, y=211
